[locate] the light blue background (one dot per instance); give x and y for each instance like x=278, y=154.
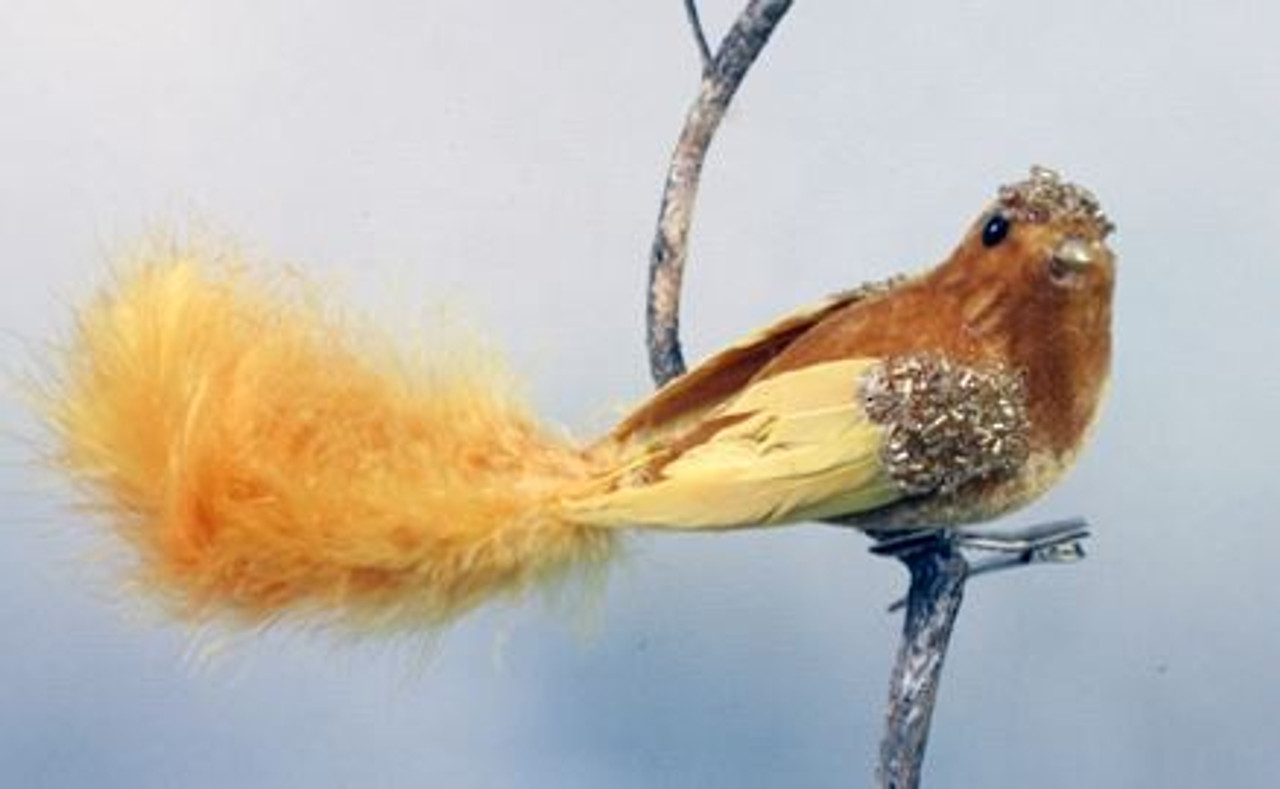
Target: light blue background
x=507, y=156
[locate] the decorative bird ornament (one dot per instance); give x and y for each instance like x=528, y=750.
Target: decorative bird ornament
x=261, y=461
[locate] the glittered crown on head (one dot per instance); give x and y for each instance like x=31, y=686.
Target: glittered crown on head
x=1045, y=197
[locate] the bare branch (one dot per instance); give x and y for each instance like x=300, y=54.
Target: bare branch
x=741, y=45
x=938, y=573
x=699, y=36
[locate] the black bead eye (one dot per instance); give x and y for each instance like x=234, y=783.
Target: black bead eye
x=994, y=231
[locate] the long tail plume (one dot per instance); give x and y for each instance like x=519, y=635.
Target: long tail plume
x=261, y=461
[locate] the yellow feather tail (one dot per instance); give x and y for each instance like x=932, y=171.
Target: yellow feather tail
x=261, y=463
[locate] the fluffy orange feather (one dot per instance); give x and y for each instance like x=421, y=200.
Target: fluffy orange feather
x=261, y=461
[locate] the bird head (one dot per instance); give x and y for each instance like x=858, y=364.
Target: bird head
x=1033, y=279
x=1047, y=234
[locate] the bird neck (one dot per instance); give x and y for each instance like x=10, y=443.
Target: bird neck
x=1059, y=340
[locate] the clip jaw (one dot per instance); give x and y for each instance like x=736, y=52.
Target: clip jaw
x=1055, y=542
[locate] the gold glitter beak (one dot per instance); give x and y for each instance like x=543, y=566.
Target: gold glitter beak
x=1077, y=254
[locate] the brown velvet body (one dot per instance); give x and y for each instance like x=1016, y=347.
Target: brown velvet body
x=990, y=306
x=1009, y=306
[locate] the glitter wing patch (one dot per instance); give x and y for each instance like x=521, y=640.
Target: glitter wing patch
x=948, y=424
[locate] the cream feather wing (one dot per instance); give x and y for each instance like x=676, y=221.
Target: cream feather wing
x=691, y=397
x=796, y=446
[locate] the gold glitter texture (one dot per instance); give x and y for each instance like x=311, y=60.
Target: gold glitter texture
x=1045, y=197
x=948, y=424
